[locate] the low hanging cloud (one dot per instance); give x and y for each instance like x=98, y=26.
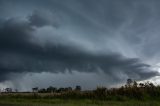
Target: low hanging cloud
x=104, y=41
x=19, y=54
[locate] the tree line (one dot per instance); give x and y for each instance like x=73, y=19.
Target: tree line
x=131, y=90
x=52, y=89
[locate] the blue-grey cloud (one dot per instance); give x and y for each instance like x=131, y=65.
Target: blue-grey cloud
x=116, y=37
x=20, y=54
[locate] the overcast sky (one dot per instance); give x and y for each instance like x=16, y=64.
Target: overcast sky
x=78, y=42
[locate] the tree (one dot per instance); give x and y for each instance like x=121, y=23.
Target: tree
x=43, y=90
x=35, y=89
x=8, y=90
x=135, y=84
x=67, y=89
x=78, y=88
x=141, y=85
x=51, y=89
x=60, y=90
x=129, y=82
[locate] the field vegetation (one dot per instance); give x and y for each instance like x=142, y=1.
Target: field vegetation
x=131, y=94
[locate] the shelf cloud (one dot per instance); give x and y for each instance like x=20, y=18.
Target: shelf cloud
x=117, y=38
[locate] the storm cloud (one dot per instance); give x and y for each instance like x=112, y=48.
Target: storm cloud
x=84, y=36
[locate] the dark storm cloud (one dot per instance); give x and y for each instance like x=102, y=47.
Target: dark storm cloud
x=20, y=54
x=43, y=18
x=112, y=36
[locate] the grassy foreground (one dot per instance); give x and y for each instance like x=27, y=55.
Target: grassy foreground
x=28, y=99
x=132, y=94
x=60, y=102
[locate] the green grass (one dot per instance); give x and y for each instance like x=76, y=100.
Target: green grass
x=146, y=95
x=82, y=102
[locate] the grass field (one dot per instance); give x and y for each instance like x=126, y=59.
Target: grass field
x=13, y=101
x=56, y=102
x=145, y=94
